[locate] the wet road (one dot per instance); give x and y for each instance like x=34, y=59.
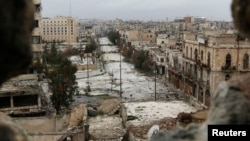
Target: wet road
x=134, y=86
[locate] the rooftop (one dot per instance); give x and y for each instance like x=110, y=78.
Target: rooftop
x=27, y=83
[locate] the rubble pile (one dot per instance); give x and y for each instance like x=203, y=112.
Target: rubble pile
x=141, y=131
x=168, y=124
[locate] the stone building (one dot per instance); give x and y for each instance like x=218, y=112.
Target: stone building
x=158, y=56
x=161, y=40
x=24, y=99
x=208, y=60
x=174, y=66
x=139, y=37
x=36, y=34
x=60, y=29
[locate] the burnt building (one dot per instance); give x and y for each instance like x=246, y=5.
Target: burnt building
x=22, y=96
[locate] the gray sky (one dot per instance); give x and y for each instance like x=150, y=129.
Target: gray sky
x=138, y=9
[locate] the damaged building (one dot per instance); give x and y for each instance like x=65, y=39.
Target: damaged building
x=208, y=59
x=24, y=99
x=22, y=96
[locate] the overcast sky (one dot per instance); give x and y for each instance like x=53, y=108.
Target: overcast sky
x=138, y=9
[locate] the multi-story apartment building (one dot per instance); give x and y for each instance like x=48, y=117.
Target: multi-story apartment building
x=60, y=29
x=162, y=39
x=36, y=35
x=18, y=89
x=208, y=60
x=158, y=56
x=140, y=37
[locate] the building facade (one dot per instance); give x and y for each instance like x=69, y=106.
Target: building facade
x=209, y=60
x=36, y=34
x=158, y=56
x=60, y=29
x=140, y=37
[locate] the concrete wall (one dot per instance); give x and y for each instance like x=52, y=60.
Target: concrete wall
x=223, y=39
x=62, y=122
x=49, y=128
x=43, y=124
x=133, y=35
x=84, y=67
x=189, y=36
x=161, y=41
x=242, y=52
x=42, y=137
x=37, y=124
x=193, y=101
x=219, y=58
x=123, y=112
x=148, y=36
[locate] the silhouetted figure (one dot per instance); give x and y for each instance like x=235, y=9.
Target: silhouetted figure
x=17, y=20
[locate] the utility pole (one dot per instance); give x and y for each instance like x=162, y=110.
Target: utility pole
x=88, y=87
x=120, y=70
x=112, y=79
x=88, y=68
x=155, y=80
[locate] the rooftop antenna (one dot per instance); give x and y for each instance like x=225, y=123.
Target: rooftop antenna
x=69, y=8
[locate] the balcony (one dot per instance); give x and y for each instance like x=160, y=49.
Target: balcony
x=190, y=76
x=36, y=1
x=245, y=70
x=204, y=65
x=198, y=62
x=204, y=83
x=37, y=15
x=174, y=69
x=228, y=68
x=208, y=67
x=188, y=58
x=207, y=83
x=36, y=32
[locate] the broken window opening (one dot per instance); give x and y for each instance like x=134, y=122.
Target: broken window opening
x=207, y=98
x=36, y=23
x=246, y=61
x=38, y=8
x=228, y=61
x=196, y=54
x=201, y=55
x=36, y=39
x=5, y=102
x=191, y=56
x=187, y=51
x=25, y=100
x=208, y=59
x=227, y=77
